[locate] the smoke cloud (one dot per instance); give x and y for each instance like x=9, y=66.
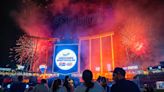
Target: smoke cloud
x=137, y=23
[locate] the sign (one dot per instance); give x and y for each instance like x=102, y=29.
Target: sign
x=135, y=67
x=42, y=68
x=5, y=69
x=65, y=58
x=160, y=84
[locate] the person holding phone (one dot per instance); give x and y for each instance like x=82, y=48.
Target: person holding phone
x=18, y=86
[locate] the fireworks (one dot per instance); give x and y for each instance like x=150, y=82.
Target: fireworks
x=32, y=51
x=72, y=19
x=23, y=52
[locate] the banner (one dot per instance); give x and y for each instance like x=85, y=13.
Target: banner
x=65, y=59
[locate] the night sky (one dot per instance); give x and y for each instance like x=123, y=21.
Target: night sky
x=10, y=32
x=11, y=28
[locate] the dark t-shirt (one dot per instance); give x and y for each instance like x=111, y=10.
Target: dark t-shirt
x=125, y=86
x=18, y=87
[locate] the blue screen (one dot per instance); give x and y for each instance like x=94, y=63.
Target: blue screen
x=65, y=59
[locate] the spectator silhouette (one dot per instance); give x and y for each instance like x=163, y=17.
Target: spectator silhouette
x=148, y=88
x=121, y=84
x=88, y=85
x=57, y=86
x=42, y=87
x=18, y=86
x=99, y=79
x=103, y=83
x=67, y=84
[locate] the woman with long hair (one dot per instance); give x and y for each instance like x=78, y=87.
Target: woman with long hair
x=89, y=85
x=57, y=86
x=68, y=83
x=104, y=84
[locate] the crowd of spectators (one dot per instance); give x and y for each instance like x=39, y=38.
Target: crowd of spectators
x=68, y=84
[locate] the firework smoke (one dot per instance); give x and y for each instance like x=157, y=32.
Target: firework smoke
x=136, y=24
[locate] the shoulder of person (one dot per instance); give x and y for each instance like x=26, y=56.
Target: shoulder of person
x=63, y=89
x=98, y=87
x=80, y=88
x=22, y=83
x=134, y=86
x=18, y=84
x=114, y=86
x=37, y=86
x=131, y=82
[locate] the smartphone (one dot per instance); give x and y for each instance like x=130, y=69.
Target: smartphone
x=8, y=86
x=27, y=86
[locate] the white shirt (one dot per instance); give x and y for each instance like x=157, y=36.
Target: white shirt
x=61, y=89
x=41, y=88
x=96, y=88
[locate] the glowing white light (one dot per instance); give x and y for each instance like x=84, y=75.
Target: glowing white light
x=97, y=68
x=20, y=67
x=109, y=67
x=159, y=67
x=132, y=67
x=160, y=84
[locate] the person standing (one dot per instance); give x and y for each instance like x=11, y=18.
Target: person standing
x=103, y=83
x=68, y=84
x=18, y=86
x=57, y=86
x=121, y=84
x=89, y=85
x=42, y=87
